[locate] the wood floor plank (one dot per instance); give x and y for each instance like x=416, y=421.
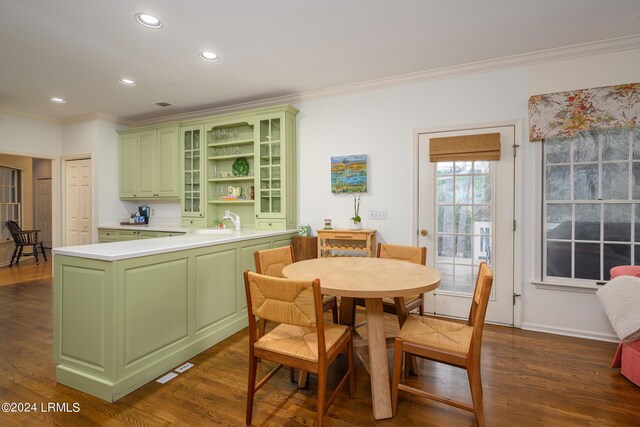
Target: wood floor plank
x=529, y=378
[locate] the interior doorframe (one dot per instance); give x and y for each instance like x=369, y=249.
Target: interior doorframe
x=518, y=125
x=63, y=187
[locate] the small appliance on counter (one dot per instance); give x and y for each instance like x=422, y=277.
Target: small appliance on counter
x=141, y=216
x=144, y=212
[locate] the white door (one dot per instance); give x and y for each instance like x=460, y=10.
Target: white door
x=78, y=194
x=43, y=210
x=467, y=209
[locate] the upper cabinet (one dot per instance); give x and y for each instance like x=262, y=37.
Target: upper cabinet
x=244, y=162
x=149, y=164
x=275, y=148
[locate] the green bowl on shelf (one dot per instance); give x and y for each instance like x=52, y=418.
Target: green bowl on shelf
x=240, y=167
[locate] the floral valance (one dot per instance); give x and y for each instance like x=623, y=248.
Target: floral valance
x=563, y=114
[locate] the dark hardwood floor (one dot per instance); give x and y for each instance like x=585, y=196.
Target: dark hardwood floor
x=530, y=379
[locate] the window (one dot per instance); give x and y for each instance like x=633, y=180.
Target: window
x=591, y=204
x=9, y=199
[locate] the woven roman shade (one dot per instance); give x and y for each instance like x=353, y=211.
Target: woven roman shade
x=465, y=148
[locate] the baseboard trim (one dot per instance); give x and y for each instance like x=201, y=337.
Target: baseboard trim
x=568, y=332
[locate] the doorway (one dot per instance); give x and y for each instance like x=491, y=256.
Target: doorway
x=78, y=202
x=467, y=211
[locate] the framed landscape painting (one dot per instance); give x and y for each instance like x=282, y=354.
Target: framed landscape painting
x=349, y=174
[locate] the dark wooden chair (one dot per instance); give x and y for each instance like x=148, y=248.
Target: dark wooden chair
x=23, y=238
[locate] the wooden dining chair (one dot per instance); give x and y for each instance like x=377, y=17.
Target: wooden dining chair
x=270, y=262
x=417, y=255
x=301, y=340
x=22, y=238
x=447, y=342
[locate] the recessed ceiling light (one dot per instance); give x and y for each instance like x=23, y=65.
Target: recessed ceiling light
x=209, y=56
x=58, y=100
x=127, y=82
x=148, y=20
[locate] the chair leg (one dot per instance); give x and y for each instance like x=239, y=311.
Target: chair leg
x=421, y=308
x=262, y=324
x=395, y=381
x=44, y=254
x=19, y=254
x=475, y=383
x=352, y=377
x=251, y=388
x=408, y=364
x=302, y=379
x=322, y=391
x=13, y=256
x=334, y=312
x=35, y=253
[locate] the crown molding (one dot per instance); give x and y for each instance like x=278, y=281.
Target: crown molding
x=29, y=116
x=94, y=116
x=547, y=55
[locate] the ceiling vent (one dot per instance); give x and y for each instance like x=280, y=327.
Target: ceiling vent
x=163, y=104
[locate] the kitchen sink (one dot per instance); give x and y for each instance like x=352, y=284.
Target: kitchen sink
x=213, y=231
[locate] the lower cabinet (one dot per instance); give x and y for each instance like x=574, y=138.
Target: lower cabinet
x=120, y=324
x=108, y=235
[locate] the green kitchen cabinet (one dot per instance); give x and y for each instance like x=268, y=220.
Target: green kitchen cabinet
x=263, y=192
x=149, y=164
x=244, y=162
x=276, y=175
x=193, y=171
x=121, y=323
x=108, y=235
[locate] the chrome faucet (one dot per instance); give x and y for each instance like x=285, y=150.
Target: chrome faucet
x=236, y=220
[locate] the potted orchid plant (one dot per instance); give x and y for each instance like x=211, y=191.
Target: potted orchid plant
x=356, y=221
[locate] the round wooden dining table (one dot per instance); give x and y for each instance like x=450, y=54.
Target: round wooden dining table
x=371, y=279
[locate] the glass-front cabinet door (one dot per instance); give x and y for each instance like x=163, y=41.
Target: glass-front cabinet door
x=271, y=174
x=193, y=191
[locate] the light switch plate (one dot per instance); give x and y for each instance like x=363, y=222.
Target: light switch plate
x=377, y=214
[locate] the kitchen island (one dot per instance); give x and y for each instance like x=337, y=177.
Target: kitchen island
x=127, y=312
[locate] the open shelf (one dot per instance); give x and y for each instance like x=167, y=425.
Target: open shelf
x=236, y=142
x=233, y=178
x=230, y=202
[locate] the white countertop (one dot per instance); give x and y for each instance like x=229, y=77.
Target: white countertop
x=159, y=226
x=137, y=248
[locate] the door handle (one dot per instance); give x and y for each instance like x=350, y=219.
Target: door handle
x=423, y=232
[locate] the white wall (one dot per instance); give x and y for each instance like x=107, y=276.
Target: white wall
x=29, y=137
x=381, y=124
x=98, y=139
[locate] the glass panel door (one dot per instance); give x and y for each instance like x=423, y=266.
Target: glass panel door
x=192, y=175
x=464, y=235
x=466, y=216
x=270, y=167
